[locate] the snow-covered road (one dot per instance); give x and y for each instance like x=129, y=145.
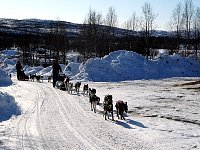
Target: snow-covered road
x=55, y=120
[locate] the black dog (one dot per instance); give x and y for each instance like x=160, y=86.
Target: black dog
x=121, y=107
x=49, y=78
x=32, y=77
x=94, y=101
x=85, y=89
x=77, y=86
x=108, y=106
x=39, y=78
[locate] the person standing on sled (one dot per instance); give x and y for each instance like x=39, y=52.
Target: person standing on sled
x=19, y=69
x=56, y=70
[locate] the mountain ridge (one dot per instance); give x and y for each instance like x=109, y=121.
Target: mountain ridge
x=34, y=26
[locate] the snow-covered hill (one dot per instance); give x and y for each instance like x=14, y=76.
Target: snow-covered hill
x=37, y=26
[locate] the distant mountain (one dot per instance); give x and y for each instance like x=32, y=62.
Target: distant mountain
x=37, y=26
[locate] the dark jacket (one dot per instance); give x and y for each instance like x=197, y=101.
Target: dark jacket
x=18, y=67
x=56, y=69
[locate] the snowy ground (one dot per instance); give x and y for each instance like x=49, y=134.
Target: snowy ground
x=163, y=114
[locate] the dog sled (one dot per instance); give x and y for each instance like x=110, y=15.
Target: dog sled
x=60, y=82
x=23, y=76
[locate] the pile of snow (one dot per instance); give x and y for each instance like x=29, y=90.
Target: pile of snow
x=71, y=69
x=9, y=53
x=120, y=65
x=126, y=65
x=9, y=61
x=4, y=79
x=46, y=72
x=8, y=106
x=32, y=70
x=177, y=66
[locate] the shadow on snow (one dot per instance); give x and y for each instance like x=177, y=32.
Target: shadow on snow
x=129, y=122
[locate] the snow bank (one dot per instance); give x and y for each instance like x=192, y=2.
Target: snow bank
x=125, y=65
x=9, y=53
x=8, y=106
x=32, y=70
x=72, y=69
x=121, y=65
x=177, y=66
x=4, y=79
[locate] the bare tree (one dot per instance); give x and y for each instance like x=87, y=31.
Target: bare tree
x=176, y=22
x=148, y=25
x=111, y=17
x=132, y=23
x=92, y=31
x=111, y=22
x=188, y=12
x=196, y=28
x=132, y=26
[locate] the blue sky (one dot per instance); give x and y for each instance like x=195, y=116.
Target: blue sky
x=76, y=10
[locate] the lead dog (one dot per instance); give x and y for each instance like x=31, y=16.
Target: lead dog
x=121, y=107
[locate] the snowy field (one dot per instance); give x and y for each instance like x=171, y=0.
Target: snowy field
x=163, y=113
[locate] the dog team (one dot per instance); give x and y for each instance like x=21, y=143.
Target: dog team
x=94, y=100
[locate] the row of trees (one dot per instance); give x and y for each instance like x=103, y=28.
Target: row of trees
x=185, y=21
x=95, y=30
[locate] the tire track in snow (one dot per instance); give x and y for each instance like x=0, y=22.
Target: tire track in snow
x=72, y=129
x=33, y=115
x=21, y=131
x=35, y=111
x=51, y=126
x=39, y=106
x=56, y=127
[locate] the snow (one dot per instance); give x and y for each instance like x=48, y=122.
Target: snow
x=9, y=53
x=124, y=65
x=162, y=96
x=4, y=79
x=8, y=107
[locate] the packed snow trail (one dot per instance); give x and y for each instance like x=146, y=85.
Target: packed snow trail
x=58, y=120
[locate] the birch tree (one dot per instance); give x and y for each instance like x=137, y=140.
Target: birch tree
x=148, y=25
x=176, y=22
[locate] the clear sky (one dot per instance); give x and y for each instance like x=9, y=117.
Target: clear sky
x=76, y=10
